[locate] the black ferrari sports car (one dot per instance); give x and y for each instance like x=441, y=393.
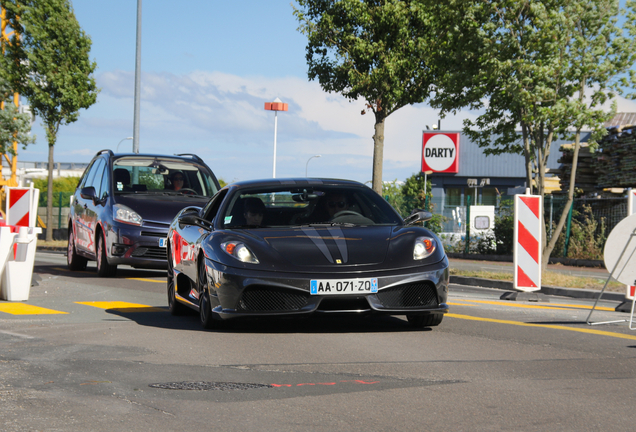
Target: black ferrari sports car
x=303, y=246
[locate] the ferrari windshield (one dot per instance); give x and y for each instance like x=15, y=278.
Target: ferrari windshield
x=139, y=174
x=313, y=206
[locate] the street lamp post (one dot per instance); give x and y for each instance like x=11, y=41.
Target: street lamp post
x=137, y=100
x=275, y=106
x=129, y=138
x=307, y=164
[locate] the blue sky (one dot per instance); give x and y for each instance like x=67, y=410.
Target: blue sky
x=208, y=67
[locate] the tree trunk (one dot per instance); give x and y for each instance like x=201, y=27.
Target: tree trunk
x=557, y=231
x=378, y=154
x=49, y=196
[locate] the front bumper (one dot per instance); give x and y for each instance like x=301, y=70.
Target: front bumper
x=239, y=293
x=138, y=246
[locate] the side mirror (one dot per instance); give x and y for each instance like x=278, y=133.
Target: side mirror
x=88, y=193
x=193, y=219
x=417, y=215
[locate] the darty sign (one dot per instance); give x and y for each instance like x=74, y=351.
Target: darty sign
x=440, y=152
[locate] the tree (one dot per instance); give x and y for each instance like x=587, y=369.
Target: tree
x=14, y=127
x=529, y=66
x=49, y=65
x=376, y=50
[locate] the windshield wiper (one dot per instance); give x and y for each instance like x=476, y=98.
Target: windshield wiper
x=327, y=224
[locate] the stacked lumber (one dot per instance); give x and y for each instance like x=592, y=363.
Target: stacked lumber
x=616, y=158
x=585, y=169
x=613, y=165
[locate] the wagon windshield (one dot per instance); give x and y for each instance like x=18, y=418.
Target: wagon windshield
x=313, y=206
x=153, y=175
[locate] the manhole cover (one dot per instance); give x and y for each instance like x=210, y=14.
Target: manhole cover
x=206, y=385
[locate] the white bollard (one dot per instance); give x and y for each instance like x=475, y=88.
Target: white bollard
x=18, y=271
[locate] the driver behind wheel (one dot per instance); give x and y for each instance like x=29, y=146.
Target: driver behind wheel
x=335, y=203
x=177, y=181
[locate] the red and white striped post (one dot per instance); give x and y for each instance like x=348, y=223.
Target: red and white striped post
x=527, y=242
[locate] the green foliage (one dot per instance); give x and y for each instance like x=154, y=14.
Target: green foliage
x=222, y=182
x=376, y=51
x=14, y=127
x=64, y=185
x=543, y=66
x=50, y=64
x=504, y=228
x=587, y=236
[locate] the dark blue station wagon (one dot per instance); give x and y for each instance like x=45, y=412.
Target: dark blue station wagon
x=123, y=206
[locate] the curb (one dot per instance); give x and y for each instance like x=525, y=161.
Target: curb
x=548, y=290
x=508, y=258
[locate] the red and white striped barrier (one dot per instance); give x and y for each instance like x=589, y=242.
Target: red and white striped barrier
x=527, y=242
x=18, y=241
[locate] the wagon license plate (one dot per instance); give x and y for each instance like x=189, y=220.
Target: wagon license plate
x=163, y=242
x=343, y=286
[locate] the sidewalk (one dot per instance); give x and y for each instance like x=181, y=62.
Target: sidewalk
x=473, y=262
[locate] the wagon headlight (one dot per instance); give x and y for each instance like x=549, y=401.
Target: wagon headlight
x=424, y=248
x=124, y=214
x=239, y=251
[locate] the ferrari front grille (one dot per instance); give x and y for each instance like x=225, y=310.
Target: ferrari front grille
x=271, y=299
x=155, y=252
x=413, y=295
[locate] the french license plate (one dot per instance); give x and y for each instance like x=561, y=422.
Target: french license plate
x=343, y=286
x=163, y=242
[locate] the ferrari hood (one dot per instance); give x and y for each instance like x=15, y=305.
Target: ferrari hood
x=329, y=246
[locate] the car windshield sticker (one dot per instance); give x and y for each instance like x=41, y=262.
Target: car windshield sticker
x=228, y=219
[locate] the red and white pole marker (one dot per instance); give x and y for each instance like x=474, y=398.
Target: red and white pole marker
x=631, y=209
x=528, y=242
x=19, y=206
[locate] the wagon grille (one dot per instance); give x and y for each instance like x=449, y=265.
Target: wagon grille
x=268, y=299
x=409, y=296
x=155, y=252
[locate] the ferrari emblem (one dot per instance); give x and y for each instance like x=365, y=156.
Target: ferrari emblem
x=338, y=261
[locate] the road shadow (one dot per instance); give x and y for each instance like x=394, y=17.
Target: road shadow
x=160, y=317
x=91, y=272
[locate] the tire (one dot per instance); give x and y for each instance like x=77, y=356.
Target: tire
x=205, y=310
x=74, y=261
x=174, y=306
x=421, y=321
x=103, y=268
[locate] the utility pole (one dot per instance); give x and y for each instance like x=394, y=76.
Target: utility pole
x=137, y=81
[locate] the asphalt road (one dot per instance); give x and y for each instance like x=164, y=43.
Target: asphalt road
x=104, y=354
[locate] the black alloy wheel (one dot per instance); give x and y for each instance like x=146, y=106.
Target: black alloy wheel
x=74, y=261
x=103, y=268
x=174, y=306
x=205, y=310
x=421, y=321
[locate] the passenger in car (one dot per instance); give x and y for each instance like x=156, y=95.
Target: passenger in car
x=253, y=211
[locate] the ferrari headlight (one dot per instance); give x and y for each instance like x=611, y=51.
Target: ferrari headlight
x=239, y=251
x=124, y=214
x=424, y=247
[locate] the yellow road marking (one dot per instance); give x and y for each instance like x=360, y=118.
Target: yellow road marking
x=550, y=326
x=27, y=309
x=147, y=280
x=533, y=306
x=459, y=304
x=121, y=306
